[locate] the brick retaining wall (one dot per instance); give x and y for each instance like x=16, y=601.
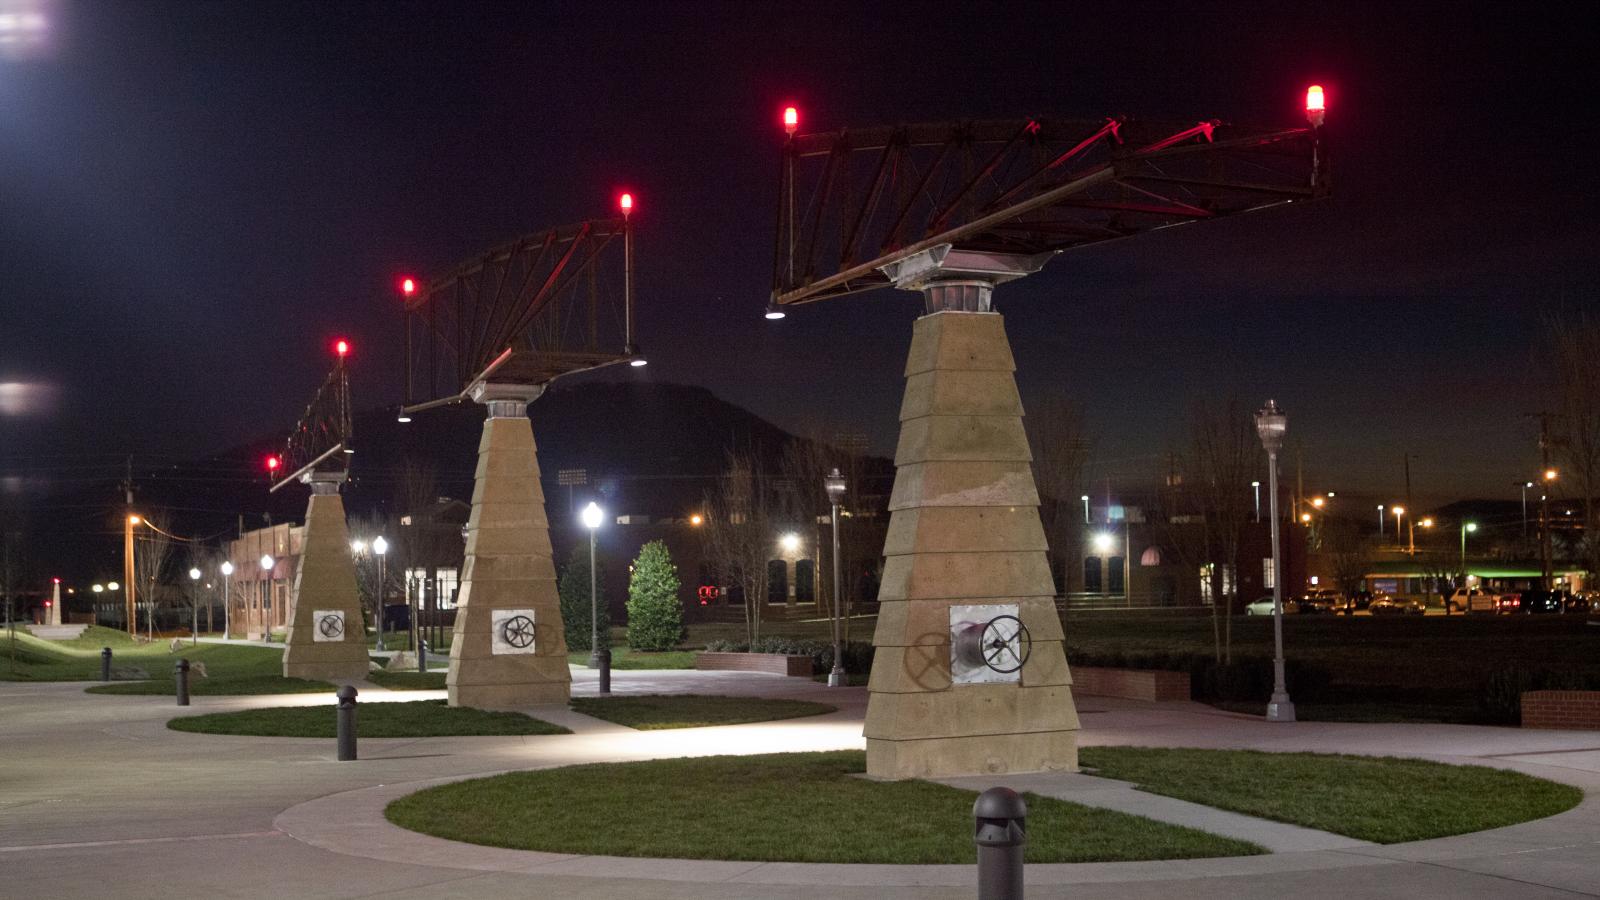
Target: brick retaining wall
x=1131, y=684
x=773, y=663
x=1561, y=709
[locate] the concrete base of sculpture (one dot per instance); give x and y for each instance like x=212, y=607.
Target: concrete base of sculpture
x=326, y=639
x=509, y=569
x=964, y=530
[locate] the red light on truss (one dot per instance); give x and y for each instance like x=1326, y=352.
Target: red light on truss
x=341, y=347
x=408, y=286
x=626, y=202
x=791, y=119
x=1316, y=101
x=273, y=463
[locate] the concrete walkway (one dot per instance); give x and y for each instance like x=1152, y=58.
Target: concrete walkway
x=99, y=798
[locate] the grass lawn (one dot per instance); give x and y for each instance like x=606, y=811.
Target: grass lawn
x=788, y=807
x=625, y=659
x=422, y=718
x=408, y=680
x=654, y=712
x=232, y=669
x=1381, y=799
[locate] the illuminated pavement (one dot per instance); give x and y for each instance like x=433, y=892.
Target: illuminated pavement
x=98, y=797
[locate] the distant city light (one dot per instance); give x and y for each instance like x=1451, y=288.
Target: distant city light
x=1104, y=541
x=97, y=588
x=791, y=542
x=696, y=519
x=1550, y=474
x=112, y=586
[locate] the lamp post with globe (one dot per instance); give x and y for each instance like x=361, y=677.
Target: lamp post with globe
x=599, y=657
x=1271, y=425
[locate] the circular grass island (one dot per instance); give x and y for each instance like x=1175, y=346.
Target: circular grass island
x=767, y=808
x=419, y=718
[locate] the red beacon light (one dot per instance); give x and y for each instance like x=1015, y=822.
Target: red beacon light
x=626, y=203
x=341, y=347
x=273, y=463
x=791, y=120
x=1316, y=105
x=408, y=286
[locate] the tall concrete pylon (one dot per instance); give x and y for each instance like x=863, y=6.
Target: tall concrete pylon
x=326, y=638
x=965, y=553
x=509, y=649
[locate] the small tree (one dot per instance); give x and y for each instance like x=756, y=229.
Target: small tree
x=655, y=618
x=577, y=613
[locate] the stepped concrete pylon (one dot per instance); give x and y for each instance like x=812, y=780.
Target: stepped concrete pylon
x=964, y=531
x=326, y=639
x=509, y=649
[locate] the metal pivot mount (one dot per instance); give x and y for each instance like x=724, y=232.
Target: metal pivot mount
x=988, y=643
x=953, y=280
x=505, y=401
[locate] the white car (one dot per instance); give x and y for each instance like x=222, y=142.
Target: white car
x=1263, y=607
x=1471, y=600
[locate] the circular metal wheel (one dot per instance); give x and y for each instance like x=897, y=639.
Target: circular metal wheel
x=1006, y=644
x=517, y=631
x=331, y=626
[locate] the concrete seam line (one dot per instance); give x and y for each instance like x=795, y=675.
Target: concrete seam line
x=125, y=841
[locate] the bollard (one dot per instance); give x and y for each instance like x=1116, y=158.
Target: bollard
x=422, y=657
x=182, y=669
x=1000, y=831
x=105, y=663
x=605, y=671
x=347, y=723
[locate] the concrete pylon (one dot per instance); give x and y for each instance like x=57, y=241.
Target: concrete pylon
x=326, y=637
x=965, y=540
x=509, y=650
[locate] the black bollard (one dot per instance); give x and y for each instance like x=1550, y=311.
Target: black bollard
x=347, y=723
x=182, y=669
x=1001, y=832
x=105, y=663
x=605, y=671
x=422, y=657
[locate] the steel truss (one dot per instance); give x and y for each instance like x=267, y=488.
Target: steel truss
x=856, y=200
x=526, y=312
x=321, y=441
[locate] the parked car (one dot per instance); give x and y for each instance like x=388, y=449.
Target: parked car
x=1385, y=605
x=1470, y=600
x=1263, y=607
x=1557, y=601
x=1583, y=603
x=1318, y=601
x=1508, y=603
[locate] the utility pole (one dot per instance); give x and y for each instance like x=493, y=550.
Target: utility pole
x=129, y=591
x=1411, y=524
x=1547, y=477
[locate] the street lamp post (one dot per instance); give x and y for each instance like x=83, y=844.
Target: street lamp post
x=227, y=601
x=835, y=486
x=1271, y=424
x=267, y=565
x=598, y=658
x=1380, y=523
x=1465, y=527
x=380, y=549
x=194, y=607
x=1256, y=487
x=1524, y=485
x=1399, y=514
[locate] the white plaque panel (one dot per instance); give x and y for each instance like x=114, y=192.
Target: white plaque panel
x=513, y=631
x=972, y=640
x=327, y=625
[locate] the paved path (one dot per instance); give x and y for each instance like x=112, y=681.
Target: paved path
x=99, y=798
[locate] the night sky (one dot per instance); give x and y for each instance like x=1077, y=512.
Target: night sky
x=195, y=198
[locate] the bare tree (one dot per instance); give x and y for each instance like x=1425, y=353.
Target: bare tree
x=153, y=551
x=1208, y=501
x=1060, y=452
x=1350, y=554
x=738, y=532
x=1573, y=351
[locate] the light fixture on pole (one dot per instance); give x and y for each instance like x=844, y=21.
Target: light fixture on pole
x=598, y=658
x=1085, y=499
x=834, y=484
x=1271, y=425
x=1465, y=527
x=1256, y=487
x=227, y=601
x=380, y=549
x=194, y=606
x=1399, y=514
x=267, y=565
x=1380, y=523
